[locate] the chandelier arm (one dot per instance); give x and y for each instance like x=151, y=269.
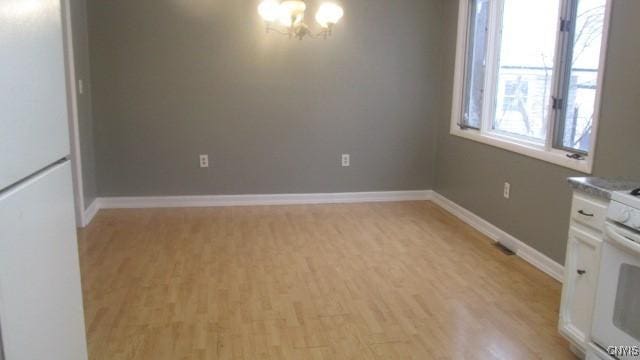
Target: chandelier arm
x=313, y=36
x=326, y=32
x=322, y=35
x=278, y=31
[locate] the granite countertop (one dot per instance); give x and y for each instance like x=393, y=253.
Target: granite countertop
x=602, y=188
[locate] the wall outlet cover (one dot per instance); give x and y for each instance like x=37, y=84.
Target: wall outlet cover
x=204, y=161
x=346, y=160
x=507, y=190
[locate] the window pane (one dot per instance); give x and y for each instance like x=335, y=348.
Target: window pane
x=583, y=75
x=475, y=71
x=627, y=308
x=525, y=71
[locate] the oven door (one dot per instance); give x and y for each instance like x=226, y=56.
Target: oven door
x=617, y=311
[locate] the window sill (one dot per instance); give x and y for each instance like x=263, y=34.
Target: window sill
x=556, y=157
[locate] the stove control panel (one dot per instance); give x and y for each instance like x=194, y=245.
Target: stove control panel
x=624, y=214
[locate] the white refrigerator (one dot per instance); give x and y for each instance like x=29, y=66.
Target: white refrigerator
x=41, y=314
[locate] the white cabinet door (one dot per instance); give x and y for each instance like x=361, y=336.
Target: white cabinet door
x=579, y=290
x=41, y=314
x=33, y=101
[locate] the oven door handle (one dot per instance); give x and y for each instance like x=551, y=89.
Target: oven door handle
x=623, y=237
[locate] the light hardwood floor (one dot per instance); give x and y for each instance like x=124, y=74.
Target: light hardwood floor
x=356, y=281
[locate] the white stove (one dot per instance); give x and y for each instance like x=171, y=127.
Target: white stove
x=625, y=209
x=616, y=326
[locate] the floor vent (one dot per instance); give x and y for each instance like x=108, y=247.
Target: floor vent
x=505, y=250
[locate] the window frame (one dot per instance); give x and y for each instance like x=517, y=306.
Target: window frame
x=550, y=151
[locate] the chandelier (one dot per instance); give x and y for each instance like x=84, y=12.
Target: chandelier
x=287, y=18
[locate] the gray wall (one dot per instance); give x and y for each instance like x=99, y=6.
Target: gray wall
x=85, y=113
x=473, y=174
x=175, y=79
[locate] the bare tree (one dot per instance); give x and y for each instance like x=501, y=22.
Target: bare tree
x=589, y=28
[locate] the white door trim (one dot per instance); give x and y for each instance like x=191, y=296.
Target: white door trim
x=72, y=105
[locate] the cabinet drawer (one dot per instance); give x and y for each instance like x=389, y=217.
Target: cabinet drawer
x=589, y=212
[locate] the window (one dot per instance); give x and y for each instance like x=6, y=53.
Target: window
x=528, y=75
x=515, y=95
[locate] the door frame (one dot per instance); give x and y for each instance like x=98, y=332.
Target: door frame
x=72, y=106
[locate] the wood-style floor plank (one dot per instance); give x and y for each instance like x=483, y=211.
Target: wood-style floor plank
x=349, y=281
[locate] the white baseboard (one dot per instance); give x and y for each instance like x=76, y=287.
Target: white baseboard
x=256, y=200
x=523, y=250
x=145, y=202
x=526, y=252
x=90, y=212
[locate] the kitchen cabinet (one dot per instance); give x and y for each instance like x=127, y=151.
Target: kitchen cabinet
x=581, y=268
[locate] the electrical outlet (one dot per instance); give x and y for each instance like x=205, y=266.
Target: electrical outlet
x=204, y=161
x=507, y=190
x=346, y=160
x=80, y=86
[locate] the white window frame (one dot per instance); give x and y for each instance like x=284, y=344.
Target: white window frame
x=512, y=143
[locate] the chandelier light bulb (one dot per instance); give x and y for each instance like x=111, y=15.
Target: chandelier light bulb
x=269, y=10
x=291, y=12
x=294, y=7
x=329, y=14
